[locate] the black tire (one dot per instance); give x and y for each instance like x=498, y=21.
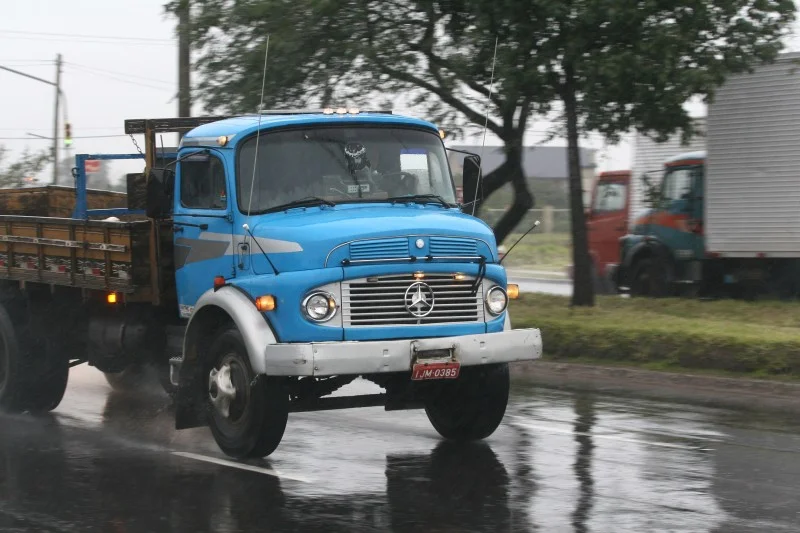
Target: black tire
x=33, y=375
x=649, y=279
x=257, y=415
x=472, y=406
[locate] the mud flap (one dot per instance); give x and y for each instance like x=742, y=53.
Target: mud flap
x=190, y=404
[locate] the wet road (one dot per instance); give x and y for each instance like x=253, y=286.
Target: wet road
x=109, y=462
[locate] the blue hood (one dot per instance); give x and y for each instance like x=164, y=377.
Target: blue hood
x=316, y=237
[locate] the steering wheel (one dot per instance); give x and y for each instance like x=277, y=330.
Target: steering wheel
x=406, y=183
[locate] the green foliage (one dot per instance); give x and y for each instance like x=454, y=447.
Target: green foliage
x=16, y=173
x=609, y=66
x=760, y=338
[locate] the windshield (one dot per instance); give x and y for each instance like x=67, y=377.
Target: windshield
x=341, y=164
x=610, y=196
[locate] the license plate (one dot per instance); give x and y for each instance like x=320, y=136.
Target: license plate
x=423, y=371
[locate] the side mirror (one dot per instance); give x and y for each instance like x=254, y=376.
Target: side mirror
x=160, y=188
x=472, y=182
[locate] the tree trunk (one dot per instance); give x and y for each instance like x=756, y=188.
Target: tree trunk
x=523, y=199
x=582, y=290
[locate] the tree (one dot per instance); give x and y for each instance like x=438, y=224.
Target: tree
x=608, y=66
x=23, y=171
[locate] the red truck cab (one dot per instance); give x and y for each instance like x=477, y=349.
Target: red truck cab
x=606, y=222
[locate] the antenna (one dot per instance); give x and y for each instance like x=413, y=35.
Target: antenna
x=246, y=226
x=535, y=225
x=485, y=124
x=258, y=132
x=163, y=150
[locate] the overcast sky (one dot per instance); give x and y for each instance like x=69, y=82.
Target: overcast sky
x=123, y=65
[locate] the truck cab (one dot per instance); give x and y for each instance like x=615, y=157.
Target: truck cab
x=271, y=261
x=665, y=247
x=606, y=223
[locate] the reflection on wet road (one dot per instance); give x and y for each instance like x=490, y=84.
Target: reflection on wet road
x=561, y=462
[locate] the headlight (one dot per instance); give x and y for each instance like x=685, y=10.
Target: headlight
x=496, y=300
x=319, y=306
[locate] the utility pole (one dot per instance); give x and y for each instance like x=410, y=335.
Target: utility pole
x=55, y=120
x=184, y=62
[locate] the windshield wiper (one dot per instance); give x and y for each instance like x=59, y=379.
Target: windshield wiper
x=308, y=201
x=420, y=198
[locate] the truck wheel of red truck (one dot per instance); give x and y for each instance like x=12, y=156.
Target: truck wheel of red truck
x=649, y=278
x=247, y=413
x=33, y=377
x=472, y=406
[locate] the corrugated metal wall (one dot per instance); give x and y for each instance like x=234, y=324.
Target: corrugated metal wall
x=650, y=156
x=753, y=170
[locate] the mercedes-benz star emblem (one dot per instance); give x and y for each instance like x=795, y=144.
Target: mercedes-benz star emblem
x=419, y=299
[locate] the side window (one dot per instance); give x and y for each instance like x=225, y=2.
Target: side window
x=203, y=183
x=610, y=197
x=678, y=185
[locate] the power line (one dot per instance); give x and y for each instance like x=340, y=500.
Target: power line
x=49, y=139
x=111, y=77
x=88, y=36
x=79, y=40
x=117, y=73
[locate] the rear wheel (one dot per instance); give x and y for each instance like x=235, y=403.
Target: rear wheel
x=247, y=413
x=472, y=406
x=33, y=375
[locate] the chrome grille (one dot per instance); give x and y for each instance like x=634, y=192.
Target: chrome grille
x=380, y=301
x=379, y=249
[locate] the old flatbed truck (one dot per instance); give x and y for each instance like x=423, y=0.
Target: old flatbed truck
x=269, y=262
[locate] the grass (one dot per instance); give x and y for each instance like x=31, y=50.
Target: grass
x=757, y=339
x=552, y=251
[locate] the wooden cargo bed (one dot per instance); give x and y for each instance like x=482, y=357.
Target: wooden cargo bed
x=39, y=243
x=79, y=253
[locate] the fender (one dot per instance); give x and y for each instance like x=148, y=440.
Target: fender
x=226, y=303
x=507, y=322
x=648, y=247
x=254, y=327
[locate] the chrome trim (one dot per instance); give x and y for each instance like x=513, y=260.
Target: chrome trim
x=382, y=301
x=327, y=317
x=411, y=236
x=414, y=259
x=410, y=259
x=486, y=300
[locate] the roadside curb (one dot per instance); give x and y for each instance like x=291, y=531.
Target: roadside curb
x=739, y=393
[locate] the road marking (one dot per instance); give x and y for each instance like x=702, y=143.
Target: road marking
x=240, y=466
x=546, y=429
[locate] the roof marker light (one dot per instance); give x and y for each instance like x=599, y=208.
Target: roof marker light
x=354, y=111
x=327, y=111
x=341, y=111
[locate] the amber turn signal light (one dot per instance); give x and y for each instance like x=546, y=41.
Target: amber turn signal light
x=265, y=303
x=111, y=297
x=219, y=281
x=512, y=291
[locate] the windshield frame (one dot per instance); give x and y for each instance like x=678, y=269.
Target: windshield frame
x=339, y=125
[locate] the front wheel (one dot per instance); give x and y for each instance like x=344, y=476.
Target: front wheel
x=472, y=406
x=649, y=279
x=247, y=413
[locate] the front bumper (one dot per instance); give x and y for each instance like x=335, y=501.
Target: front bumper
x=373, y=357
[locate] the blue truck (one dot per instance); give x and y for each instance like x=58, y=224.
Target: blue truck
x=263, y=265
